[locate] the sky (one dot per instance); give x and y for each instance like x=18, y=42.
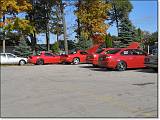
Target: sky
x=144, y=15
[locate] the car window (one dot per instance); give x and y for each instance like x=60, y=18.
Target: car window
x=48, y=54
x=113, y=51
x=127, y=52
x=3, y=55
x=138, y=52
x=11, y=56
x=83, y=53
x=99, y=51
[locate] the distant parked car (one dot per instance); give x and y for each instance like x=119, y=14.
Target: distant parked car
x=8, y=58
x=122, y=58
x=44, y=58
x=75, y=57
x=151, y=61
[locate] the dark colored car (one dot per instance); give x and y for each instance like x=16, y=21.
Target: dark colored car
x=151, y=61
x=122, y=58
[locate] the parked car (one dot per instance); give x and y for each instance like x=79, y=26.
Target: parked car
x=75, y=57
x=79, y=56
x=122, y=58
x=44, y=58
x=151, y=61
x=92, y=58
x=9, y=58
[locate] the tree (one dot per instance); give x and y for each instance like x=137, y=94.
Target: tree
x=12, y=8
x=55, y=47
x=108, y=41
x=120, y=8
x=126, y=31
x=92, y=15
x=83, y=44
x=22, y=49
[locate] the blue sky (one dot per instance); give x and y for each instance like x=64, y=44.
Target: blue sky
x=143, y=15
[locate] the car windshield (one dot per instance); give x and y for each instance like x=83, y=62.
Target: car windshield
x=113, y=51
x=99, y=51
x=73, y=52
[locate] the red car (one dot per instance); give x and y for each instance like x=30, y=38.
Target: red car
x=80, y=55
x=75, y=57
x=122, y=58
x=44, y=58
x=93, y=57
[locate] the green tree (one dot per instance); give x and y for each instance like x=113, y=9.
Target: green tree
x=120, y=8
x=55, y=47
x=22, y=49
x=83, y=44
x=126, y=32
x=108, y=41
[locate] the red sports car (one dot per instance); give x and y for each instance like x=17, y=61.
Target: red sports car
x=80, y=55
x=122, y=58
x=93, y=57
x=44, y=58
x=75, y=57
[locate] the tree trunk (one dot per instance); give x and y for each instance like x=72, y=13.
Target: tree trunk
x=64, y=28
x=115, y=12
x=4, y=43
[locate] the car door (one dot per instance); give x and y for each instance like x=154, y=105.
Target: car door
x=48, y=58
x=129, y=58
x=12, y=59
x=3, y=58
x=83, y=56
x=139, y=57
x=56, y=59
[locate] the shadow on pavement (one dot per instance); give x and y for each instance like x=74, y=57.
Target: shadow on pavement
x=146, y=70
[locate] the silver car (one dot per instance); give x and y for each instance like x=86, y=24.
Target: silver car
x=8, y=58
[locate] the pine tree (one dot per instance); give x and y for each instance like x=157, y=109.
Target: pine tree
x=126, y=32
x=22, y=49
x=55, y=47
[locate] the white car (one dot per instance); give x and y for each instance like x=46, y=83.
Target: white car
x=8, y=58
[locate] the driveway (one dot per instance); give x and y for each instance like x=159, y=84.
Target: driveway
x=77, y=91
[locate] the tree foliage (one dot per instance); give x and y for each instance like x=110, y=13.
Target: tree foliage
x=22, y=49
x=126, y=31
x=92, y=15
x=120, y=9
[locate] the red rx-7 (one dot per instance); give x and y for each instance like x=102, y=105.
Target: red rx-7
x=44, y=58
x=75, y=57
x=122, y=58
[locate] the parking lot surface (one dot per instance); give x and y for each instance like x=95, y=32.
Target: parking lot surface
x=77, y=91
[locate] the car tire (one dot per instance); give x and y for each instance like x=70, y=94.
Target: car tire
x=40, y=62
x=121, y=66
x=76, y=61
x=22, y=62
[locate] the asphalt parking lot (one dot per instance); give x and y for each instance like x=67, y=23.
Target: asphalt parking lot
x=77, y=91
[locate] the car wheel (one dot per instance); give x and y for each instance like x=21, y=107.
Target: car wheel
x=40, y=62
x=76, y=61
x=22, y=62
x=121, y=66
